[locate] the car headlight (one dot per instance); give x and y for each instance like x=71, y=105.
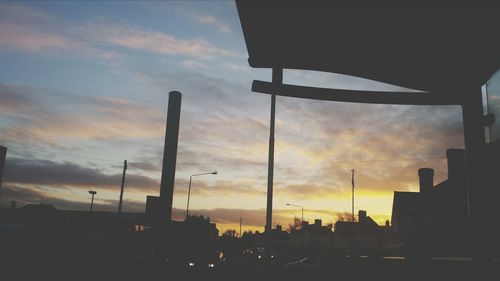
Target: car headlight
x=191, y=264
x=211, y=265
x=259, y=256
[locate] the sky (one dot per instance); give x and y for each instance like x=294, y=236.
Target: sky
x=84, y=86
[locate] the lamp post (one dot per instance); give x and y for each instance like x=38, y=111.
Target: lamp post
x=189, y=190
x=92, y=200
x=299, y=207
x=352, y=171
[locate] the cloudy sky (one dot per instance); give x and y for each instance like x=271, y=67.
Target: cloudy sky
x=84, y=86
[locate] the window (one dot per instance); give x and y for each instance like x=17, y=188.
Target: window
x=491, y=100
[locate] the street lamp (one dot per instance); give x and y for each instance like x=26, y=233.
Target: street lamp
x=189, y=191
x=299, y=207
x=352, y=171
x=92, y=200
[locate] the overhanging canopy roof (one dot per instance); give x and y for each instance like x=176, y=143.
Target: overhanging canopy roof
x=439, y=47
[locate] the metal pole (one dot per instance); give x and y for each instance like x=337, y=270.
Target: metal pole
x=189, y=191
x=270, y=171
x=241, y=220
x=352, y=194
x=122, y=186
x=189, y=194
x=277, y=79
x=92, y=202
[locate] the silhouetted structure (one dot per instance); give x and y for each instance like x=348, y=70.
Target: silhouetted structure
x=61, y=240
x=122, y=186
x=278, y=238
x=192, y=235
x=316, y=237
x=433, y=221
x=161, y=207
x=93, y=193
x=277, y=78
x=361, y=237
x=39, y=234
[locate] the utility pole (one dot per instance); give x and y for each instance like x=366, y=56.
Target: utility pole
x=352, y=171
x=241, y=220
x=122, y=186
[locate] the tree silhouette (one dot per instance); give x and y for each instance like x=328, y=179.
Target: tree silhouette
x=230, y=233
x=295, y=225
x=345, y=216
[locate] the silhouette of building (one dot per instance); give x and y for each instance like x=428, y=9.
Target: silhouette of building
x=277, y=237
x=362, y=236
x=435, y=219
x=202, y=228
x=317, y=236
x=314, y=237
x=107, y=237
x=74, y=234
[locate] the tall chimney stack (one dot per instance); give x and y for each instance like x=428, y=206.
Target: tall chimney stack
x=161, y=207
x=361, y=216
x=426, y=177
x=170, y=150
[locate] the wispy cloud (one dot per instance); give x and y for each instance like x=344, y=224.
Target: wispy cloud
x=26, y=29
x=194, y=65
x=136, y=38
x=46, y=115
x=28, y=38
x=213, y=21
x=237, y=67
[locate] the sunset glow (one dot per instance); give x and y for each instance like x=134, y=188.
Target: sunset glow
x=84, y=86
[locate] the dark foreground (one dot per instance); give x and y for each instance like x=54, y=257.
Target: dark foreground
x=360, y=268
